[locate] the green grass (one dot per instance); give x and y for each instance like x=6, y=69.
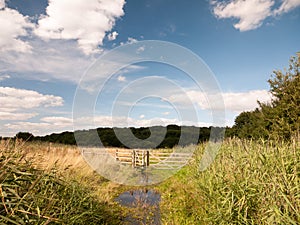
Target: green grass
x=249, y=183
x=29, y=195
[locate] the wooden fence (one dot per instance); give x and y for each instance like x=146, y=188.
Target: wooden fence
x=159, y=159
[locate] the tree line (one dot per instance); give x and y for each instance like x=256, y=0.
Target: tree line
x=173, y=135
x=280, y=118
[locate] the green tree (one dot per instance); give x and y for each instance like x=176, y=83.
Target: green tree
x=25, y=136
x=251, y=125
x=279, y=119
x=284, y=119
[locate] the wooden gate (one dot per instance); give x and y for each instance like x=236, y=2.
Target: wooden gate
x=158, y=159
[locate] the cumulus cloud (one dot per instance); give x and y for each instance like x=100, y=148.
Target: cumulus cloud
x=46, y=125
x=52, y=60
x=10, y=129
x=112, y=36
x=250, y=13
x=246, y=101
x=55, y=59
x=286, y=6
x=13, y=27
x=13, y=99
x=233, y=101
x=84, y=21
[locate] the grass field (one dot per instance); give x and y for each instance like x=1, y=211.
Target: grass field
x=250, y=182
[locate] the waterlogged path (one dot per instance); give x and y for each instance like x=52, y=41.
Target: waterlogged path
x=144, y=205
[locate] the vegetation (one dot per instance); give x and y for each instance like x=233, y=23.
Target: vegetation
x=255, y=178
x=109, y=139
x=31, y=195
x=251, y=182
x=279, y=119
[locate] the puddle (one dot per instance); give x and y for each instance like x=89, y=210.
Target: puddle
x=144, y=203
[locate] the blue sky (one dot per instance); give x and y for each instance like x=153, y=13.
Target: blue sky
x=47, y=46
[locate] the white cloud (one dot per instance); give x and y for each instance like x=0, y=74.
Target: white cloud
x=54, y=59
x=58, y=121
x=119, y=121
x=112, y=36
x=130, y=40
x=49, y=125
x=166, y=113
x=250, y=13
x=13, y=99
x=10, y=129
x=233, y=101
x=16, y=116
x=62, y=60
x=4, y=77
x=286, y=6
x=238, y=102
x=13, y=26
x=45, y=126
x=121, y=78
x=2, y=4
x=81, y=20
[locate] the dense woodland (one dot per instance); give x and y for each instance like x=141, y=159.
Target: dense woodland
x=108, y=137
x=278, y=119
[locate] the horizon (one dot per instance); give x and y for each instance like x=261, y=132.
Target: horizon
x=163, y=126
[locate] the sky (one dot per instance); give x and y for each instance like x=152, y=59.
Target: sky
x=49, y=48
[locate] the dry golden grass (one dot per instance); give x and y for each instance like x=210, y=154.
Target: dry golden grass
x=42, y=185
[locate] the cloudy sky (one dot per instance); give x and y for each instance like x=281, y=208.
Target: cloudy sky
x=47, y=46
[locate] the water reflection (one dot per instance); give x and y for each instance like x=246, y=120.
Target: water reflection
x=146, y=205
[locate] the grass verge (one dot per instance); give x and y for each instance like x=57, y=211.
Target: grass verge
x=249, y=183
x=31, y=195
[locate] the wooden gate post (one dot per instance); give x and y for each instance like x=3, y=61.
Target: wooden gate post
x=143, y=158
x=116, y=155
x=133, y=158
x=147, y=158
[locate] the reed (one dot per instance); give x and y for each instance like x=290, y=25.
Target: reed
x=250, y=182
x=30, y=194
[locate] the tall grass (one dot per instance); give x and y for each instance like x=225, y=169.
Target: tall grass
x=32, y=195
x=249, y=183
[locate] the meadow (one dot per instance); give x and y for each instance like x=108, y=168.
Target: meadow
x=250, y=182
